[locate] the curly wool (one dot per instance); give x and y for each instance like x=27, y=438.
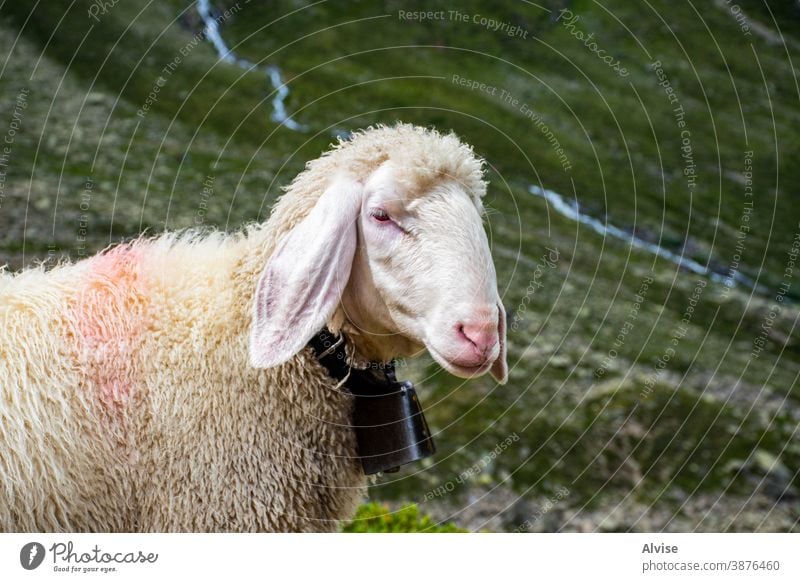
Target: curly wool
x=127, y=402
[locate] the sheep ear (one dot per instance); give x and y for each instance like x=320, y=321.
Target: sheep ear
x=499, y=369
x=303, y=281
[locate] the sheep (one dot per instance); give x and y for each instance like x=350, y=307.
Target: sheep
x=164, y=384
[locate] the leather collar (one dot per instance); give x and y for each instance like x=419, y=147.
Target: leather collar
x=331, y=351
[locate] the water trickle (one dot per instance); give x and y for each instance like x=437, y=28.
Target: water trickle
x=571, y=209
x=279, y=112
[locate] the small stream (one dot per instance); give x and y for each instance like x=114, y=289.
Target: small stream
x=273, y=73
x=571, y=209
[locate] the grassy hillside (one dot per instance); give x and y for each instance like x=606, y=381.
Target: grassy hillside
x=131, y=122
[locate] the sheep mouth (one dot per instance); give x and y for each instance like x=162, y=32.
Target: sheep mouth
x=457, y=369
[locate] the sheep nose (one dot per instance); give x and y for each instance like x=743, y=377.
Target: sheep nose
x=481, y=333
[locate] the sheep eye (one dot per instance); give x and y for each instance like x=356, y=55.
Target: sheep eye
x=380, y=215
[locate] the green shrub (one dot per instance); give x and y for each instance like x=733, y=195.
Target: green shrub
x=378, y=518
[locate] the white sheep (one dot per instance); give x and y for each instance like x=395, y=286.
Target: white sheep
x=164, y=384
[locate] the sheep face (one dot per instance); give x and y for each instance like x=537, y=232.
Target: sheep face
x=423, y=277
x=400, y=264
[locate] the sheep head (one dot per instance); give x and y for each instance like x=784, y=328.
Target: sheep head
x=383, y=239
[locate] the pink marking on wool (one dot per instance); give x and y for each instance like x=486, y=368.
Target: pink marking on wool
x=108, y=313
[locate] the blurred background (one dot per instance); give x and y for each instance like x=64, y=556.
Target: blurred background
x=643, y=210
